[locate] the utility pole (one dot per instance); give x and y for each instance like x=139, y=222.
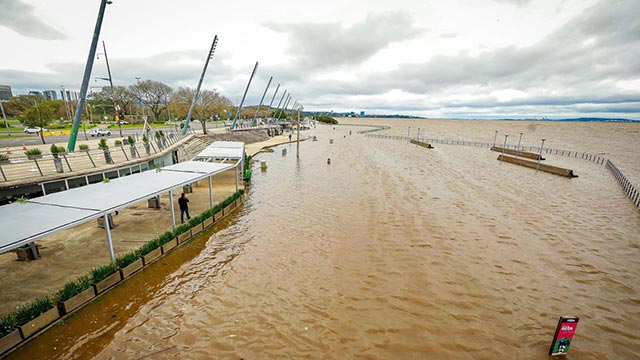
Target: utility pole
x=113, y=91
x=85, y=79
x=253, y=73
x=197, y=93
x=265, y=93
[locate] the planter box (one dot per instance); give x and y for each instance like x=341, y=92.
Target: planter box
x=147, y=259
x=168, y=246
x=218, y=216
x=38, y=323
x=10, y=341
x=184, y=237
x=187, y=189
x=32, y=157
x=197, y=229
x=75, y=302
x=207, y=223
x=228, y=210
x=154, y=202
x=107, y=283
x=131, y=268
x=3, y=162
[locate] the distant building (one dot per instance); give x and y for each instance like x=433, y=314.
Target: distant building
x=35, y=92
x=5, y=92
x=361, y=113
x=50, y=94
x=69, y=95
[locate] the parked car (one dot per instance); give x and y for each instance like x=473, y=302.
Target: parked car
x=123, y=122
x=99, y=132
x=34, y=130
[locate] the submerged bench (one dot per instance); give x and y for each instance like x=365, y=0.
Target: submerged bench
x=542, y=167
x=420, y=143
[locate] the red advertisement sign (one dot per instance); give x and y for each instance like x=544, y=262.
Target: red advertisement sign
x=564, y=335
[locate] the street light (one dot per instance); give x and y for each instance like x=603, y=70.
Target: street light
x=540, y=155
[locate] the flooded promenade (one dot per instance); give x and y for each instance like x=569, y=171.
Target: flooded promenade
x=393, y=252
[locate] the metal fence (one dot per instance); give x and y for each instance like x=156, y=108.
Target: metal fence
x=627, y=186
x=23, y=167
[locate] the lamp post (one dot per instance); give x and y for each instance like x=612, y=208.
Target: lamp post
x=540, y=155
x=504, y=146
x=518, y=147
x=494, y=138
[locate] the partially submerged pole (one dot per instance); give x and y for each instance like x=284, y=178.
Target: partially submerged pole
x=505, y=143
x=518, y=147
x=272, y=99
x=539, y=156
x=197, y=93
x=210, y=193
x=298, y=143
x=494, y=138
x=85, y=79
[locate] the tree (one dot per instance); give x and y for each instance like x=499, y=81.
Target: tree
x=210, y=103
x=41, y=114
x=125, y=98
x=153, y=94
x=17, y=105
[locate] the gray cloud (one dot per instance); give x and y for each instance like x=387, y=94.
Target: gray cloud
x=331, y=45
x=18, y=16
x=520, y=3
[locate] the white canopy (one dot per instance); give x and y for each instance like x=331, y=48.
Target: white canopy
x=223, y=150
x=23, y=223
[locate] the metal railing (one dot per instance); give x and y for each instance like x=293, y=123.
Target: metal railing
x=627, y=186
x=23, y=167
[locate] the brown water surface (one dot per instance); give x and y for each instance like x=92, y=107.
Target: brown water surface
x=391, y=252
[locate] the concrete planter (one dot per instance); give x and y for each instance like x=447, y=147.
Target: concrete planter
x=57, y=162
x=169, y=246
x=32, y=157
x=227, y=210
x=207, y=223
x=147, y=259
x=107, y=283
x=197, y=229
x=184, y=237
x=187, y=189
x=39, y=323
x=217, y=216
x=9, y=341
x=131, y=268
x=154, y=202
x=76, y=301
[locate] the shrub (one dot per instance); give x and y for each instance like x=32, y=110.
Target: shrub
x=148, y=247
x=102, y=272
x=74, y=288
x=158, y=134
x=166, y=237
x=118, y=142
x=145, y=139
x=326, y=119
x=32, y=310
x=181, y=229
x=103, y=144
x=3, y=157
x=84, y=147
x=7, y=324
x=126, y=259
x=57, y=149
x=131, y=140
x=35, y=151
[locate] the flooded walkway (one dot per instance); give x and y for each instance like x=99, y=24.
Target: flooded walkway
x=390, y=252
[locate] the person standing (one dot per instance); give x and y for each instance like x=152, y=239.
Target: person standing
x=184, y=207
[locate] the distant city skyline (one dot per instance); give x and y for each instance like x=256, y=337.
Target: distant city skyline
x=481, y=59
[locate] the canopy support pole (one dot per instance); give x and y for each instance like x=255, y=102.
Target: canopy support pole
x=107, y=227
x=237, y=176
x=210, y=193
x=173, y=213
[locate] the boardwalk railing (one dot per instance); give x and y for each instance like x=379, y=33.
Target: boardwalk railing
x=627, y=186
x=21, y=167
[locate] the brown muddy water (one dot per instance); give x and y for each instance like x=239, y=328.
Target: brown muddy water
x=390, y=252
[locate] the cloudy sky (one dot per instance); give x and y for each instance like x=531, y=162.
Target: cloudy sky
x=433, y=58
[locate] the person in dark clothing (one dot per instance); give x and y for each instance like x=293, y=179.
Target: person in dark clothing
x=184, y=207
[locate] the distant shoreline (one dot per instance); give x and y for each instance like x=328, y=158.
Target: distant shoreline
x=616, y=120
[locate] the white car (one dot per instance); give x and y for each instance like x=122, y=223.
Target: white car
x=34, y=130
x=99, y=132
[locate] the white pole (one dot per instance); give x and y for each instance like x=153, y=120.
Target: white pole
x=237, y=175
x=210, y=193
x=408, y=133
x=107, y=227
x=494, y=138
x=173, y=213
x=418, y=136
x=539, y=156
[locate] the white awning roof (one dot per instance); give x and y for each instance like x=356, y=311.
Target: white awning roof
x=23, y=223
x=227, y=144
x=220, y=153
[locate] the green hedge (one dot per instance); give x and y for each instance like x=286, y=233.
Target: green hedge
x=39, y=306
x=327, y=120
